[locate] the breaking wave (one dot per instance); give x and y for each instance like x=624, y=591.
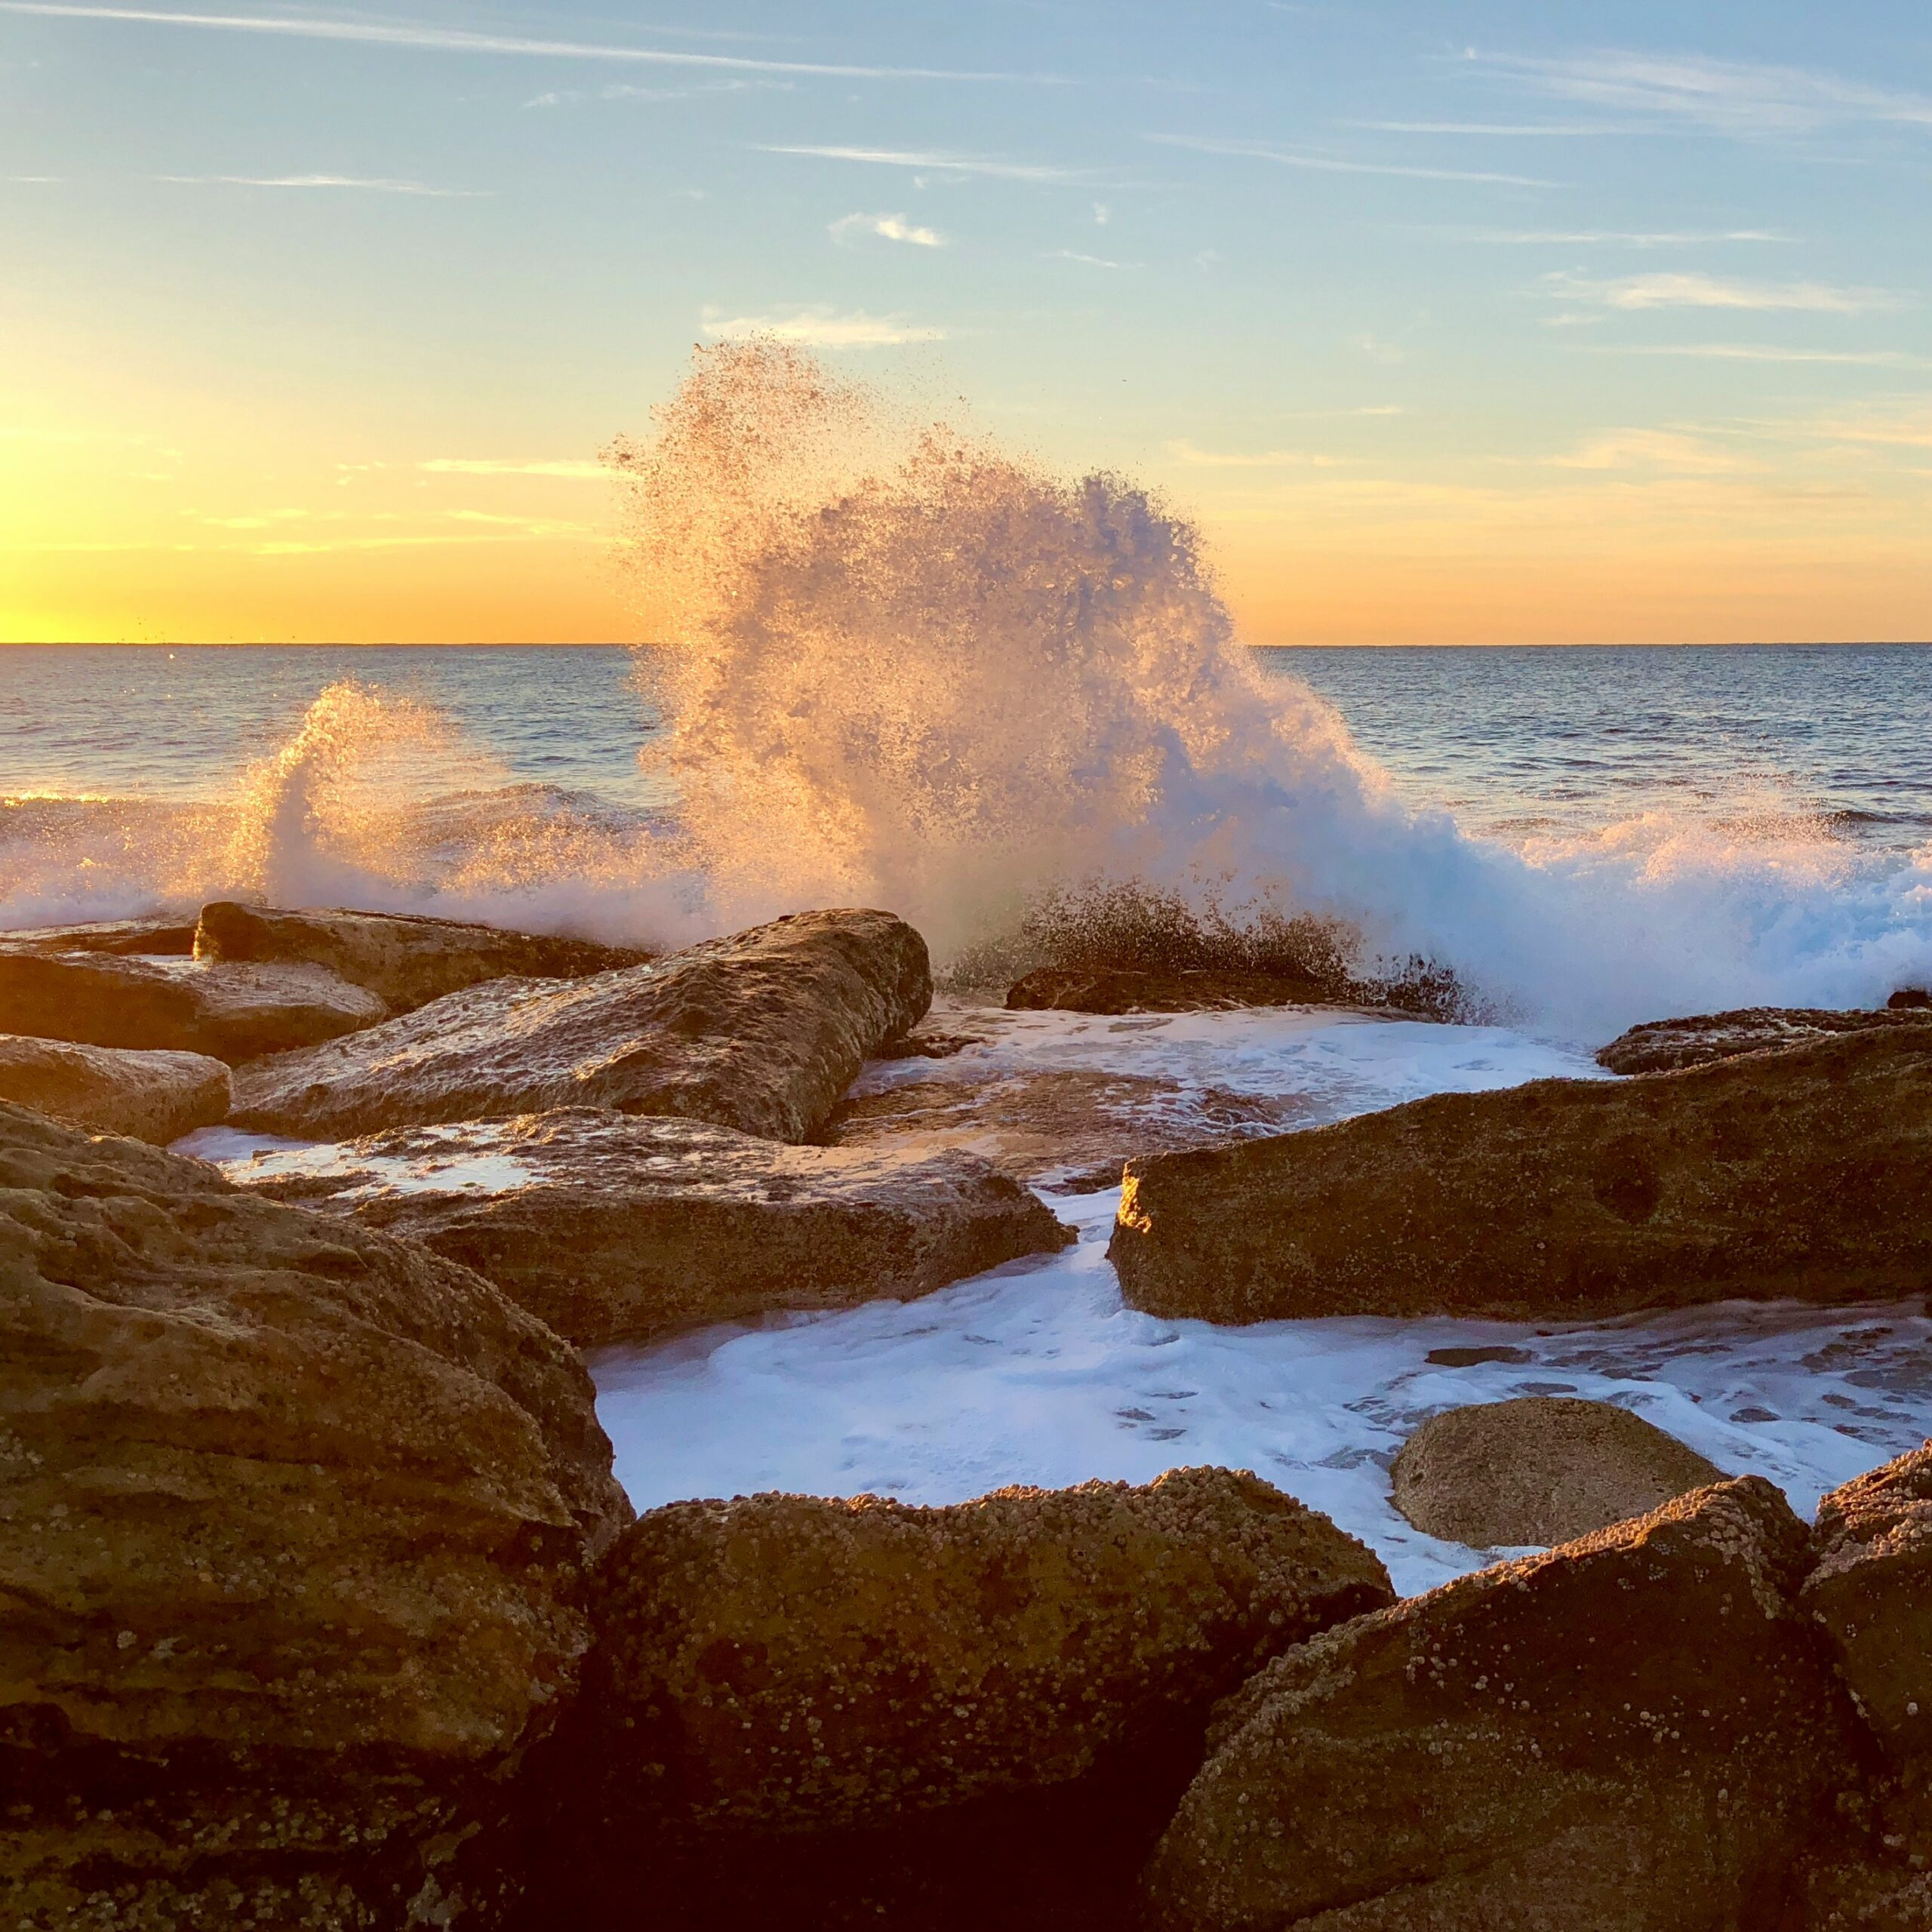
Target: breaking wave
x=915, y=670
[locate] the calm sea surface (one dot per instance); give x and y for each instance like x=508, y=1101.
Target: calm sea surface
x=1510, y=740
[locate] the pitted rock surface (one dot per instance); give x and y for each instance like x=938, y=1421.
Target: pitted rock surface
x=293, y=1524
x=174, y=1005
x=611, y=1227
x=1799, y=1174
x=405, y=959
x=156, y=1096
x=1637, y=1731
x=1539, y=1470
x=762, y=1030
x=796, y=1664
x=1664, y=1046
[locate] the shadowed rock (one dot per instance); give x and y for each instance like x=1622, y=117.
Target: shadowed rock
x=610, y=1227
x=1539, y=1470
x=294, y=1519
x=163, y=934
x=1123, y=990
x=230, y=1013
x=1799, y=1174
x=1635, y=1733
x=1665, y=1046
x=156, y=1096
x=405, y=960
x=816, y=1709
x=761, y=1031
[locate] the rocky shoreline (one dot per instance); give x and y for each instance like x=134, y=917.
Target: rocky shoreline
x=320, y=1606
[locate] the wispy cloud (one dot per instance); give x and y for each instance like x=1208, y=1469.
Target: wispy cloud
x=1085, y=261
x=369, y=185
x=1619, y=237
x=461, y=40
x=1732, y=96
x=1758, y=351
x=460, y=465
x=1328, y=164
x=625, y=90
x=887, y=228
x=928, y=163
x=1201, y=458
x=823, y=328
x=1691, y=291
x=1682, y=454
x=1504, y=128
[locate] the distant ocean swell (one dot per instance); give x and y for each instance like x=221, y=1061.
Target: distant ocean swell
x=920, y=672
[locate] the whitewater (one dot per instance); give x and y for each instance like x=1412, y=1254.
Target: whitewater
x=909, y=668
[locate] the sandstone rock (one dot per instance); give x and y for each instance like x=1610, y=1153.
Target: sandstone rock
x=794, y=1663
x=610, y=1227
x=156, y=1096
x=1541, y=1469
x=761, y=1031
x=162, y=934
x=1910, y=998
x=1121, y=989
x=1665, y=1046
x=406, y=962
x=1074, y=1128
x=230, y=1013
x=1870, y=1588
x=1798, y=1173
x=293, y=1518
x=1636, y=1730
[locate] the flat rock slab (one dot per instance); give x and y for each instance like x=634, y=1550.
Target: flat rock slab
x=1665, y=1046
x=1636, y=1731
x=612, y=1227
x=163, y=934
x=762, y=1030
x=175, y=1005
x=1539, y=1470
x=1122, y=989
x=151, y=1096
x=1073, y=1128
x=1799, y=1174
x=406, y=961
x=294, y=1518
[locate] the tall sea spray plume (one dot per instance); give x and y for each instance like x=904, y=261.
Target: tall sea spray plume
x=909, y=668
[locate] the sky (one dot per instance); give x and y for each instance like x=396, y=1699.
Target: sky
x=1500, y=322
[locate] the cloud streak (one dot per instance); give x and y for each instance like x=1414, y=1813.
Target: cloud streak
x=457, y=466
x=886, y=228
x=823, y=328
x=1324, y=163
x=1690, y=290
x=462, y=40
x=990, y=166
x=1754, y=351
x=374, y=186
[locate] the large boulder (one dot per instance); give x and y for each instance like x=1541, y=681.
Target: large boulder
x=1539, y=1470
x=294, y=1520
x=761, y=1031
x=156, y=1096
x=848, y=1679
x=1871, y=1589
x=229, y=1013
x=406, y=961
x=161, y=933
x=611, y=1227
x=1799, y=1174
x=1665, y=1046
x=1637, y=1732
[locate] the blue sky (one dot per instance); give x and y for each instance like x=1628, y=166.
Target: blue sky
x=1444, y=319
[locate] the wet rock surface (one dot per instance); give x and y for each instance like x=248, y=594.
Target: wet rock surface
x=293, y=1524
x=1796, y=1174
x=164, y=934
x=610, y=1226
x=1125, y=990
x=155, y=1096
x=1664, y=1046
x=175, y=1005
x=406, y=960
x=1539, y=1470
x=761, y=1031
x=809, y=1699
x=1639, y=1730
